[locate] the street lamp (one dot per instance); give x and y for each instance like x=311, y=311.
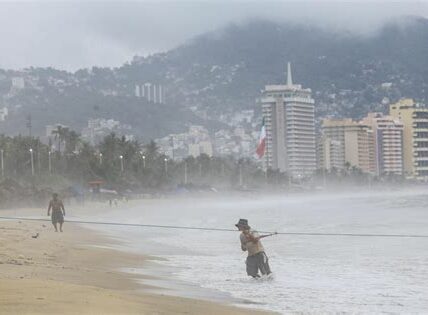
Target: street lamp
x=32, y=162
x=240, y=174
x=50, y=161
x=121, y=163
x=185, y=172
x=2, y=162
x=144, y=161
x=100, y=156
x=324, y=179
x=166, y=166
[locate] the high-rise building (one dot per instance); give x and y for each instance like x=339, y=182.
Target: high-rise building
x=346, y=143
x=330, y=154
x=3, y=113
x=152, y=92
x=288, y=111
x=415, y=137
x=388, y=143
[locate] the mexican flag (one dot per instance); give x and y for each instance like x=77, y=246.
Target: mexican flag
x=261, y=147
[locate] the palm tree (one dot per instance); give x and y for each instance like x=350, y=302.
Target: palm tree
x=60, y=135
x=151, y=150
x=71, y=140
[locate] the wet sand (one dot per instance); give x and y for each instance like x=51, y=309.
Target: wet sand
x=76, y=272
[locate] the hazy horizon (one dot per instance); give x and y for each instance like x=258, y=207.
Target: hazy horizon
x=70, y=35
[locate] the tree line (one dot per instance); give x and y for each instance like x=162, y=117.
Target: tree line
x=127, y=165
x=123, y=164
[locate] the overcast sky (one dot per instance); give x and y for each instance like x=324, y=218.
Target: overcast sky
x=74, y=34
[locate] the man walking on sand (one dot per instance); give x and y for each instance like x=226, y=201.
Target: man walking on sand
x=58, y=212
x=250, y=241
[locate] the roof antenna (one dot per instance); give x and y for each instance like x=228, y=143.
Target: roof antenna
x=289, y=79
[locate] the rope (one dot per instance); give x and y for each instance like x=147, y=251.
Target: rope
x=220, y=229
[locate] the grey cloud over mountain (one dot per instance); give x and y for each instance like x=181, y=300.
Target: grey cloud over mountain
x=74, y=34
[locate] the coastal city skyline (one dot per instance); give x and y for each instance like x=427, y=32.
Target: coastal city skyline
x=297, y=142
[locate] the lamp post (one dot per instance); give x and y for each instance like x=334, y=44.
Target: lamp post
x=100, y=156
x=121, y=163
x=185, y=172
x=166, y=166
x=50, y=161
x=240, y=174
x=2, y=162
x=144, y=161
x=32, y=162
x=324, y=179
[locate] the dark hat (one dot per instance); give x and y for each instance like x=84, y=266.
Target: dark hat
x=242, y=223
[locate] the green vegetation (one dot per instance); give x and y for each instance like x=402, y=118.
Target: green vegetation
x=36, y=169
x=32, y=170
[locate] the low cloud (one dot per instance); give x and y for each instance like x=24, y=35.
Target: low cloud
x=73, y=34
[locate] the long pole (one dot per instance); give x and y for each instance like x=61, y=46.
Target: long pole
x=32, y=162
x=240, y=174
x=185, y=172
x=2, y=162
x=50, y=161
x=121, y=163
x=323, y=177
x=38, y=159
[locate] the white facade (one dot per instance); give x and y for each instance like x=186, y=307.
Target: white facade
x=289, y=116
x=3, y=113
x=152, y=92
x=51, y=128
x=388, y=143
x=18, y=83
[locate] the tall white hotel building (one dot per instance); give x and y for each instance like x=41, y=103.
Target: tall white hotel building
x=288, y=111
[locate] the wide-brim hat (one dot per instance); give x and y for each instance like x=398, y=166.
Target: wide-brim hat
x=242, y=223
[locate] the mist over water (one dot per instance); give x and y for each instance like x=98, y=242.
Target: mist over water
x=311, y=273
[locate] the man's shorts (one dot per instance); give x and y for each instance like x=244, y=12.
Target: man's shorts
x=258, y=262
x=57, y=217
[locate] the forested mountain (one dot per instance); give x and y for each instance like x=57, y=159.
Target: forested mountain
x=224, y=71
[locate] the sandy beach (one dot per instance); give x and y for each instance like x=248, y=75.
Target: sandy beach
x=76, y=272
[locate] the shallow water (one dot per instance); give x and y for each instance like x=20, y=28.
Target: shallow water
x=311, y=273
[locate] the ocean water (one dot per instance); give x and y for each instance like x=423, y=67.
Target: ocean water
x=312, y=274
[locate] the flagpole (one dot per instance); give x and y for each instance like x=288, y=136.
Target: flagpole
x=261, y=148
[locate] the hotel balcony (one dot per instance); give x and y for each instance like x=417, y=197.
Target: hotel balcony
x=303, y=100
x=421, y=168
x=419, y=149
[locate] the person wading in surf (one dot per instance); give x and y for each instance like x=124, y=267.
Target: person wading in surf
x=58, y=212
x=250, y=242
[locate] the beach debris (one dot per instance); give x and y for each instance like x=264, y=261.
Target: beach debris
x=14, y=262
x=35, y=236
